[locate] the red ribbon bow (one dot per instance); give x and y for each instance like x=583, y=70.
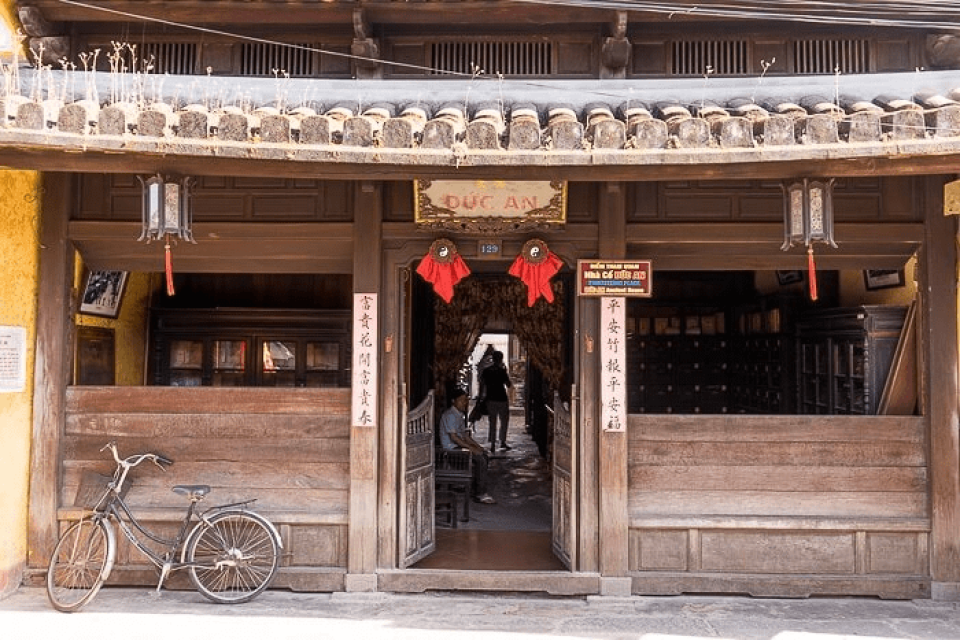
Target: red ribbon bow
x=443, y=275
x=537, y=275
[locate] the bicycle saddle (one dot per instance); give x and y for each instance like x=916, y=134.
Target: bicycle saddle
x=193, y=491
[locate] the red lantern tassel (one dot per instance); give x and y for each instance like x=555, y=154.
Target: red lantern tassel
x=168, y=264
x=812, y=273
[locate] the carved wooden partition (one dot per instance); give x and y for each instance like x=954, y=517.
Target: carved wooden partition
x=564, y=483
x=800, y=506
x=288, y=448
x=416, y=500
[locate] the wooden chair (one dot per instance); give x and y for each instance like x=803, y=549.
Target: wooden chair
x=453, y=473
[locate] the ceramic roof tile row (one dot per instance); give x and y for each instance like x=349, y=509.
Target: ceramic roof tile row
x=632, y=126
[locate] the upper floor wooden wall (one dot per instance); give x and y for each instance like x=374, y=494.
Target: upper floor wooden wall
x=237, y=199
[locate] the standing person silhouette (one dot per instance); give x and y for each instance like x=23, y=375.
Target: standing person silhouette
x=496, y=381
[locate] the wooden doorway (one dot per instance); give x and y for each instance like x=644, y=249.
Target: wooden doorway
x=508, y=535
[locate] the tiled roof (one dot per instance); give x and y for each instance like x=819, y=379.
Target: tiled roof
x=444, y=123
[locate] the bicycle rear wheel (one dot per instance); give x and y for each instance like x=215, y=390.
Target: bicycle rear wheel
x=81, y=563
x=235, y=558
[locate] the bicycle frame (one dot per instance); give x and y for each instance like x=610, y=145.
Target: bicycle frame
x=111, y=505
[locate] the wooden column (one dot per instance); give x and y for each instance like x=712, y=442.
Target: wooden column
x=940, y=342
x=362, y=553
x=53, y=365
x=613, y=445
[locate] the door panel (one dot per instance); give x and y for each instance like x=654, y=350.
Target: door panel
x=564, y=482
x=416, y=500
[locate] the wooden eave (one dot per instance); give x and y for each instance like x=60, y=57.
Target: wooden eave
x=474, y=12
x=117, y=154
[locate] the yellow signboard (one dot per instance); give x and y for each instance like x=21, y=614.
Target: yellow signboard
x=489, y=205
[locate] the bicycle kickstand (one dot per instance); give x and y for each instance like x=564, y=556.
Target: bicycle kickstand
x=164, y=572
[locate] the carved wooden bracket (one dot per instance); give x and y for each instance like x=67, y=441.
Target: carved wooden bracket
x=616, y=50
x=943, y=50
x=365, y=47
x=43, y=40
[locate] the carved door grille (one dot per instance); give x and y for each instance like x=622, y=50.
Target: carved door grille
x=826, y=56
x=506, y=57
x=262, y=59
x=714, y=57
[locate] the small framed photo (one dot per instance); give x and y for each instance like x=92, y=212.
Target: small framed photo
x=103, y=293
x=874, y=279
x=789, y=277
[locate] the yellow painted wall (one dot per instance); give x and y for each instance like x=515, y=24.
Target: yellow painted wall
x=853, y=291
x=19, y=261
x=129, y=328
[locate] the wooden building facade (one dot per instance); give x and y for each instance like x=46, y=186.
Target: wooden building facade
x=759, y=456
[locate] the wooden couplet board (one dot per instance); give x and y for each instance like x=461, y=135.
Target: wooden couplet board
x=564, y=483
x=613, y=364
x=417, y=515
x=365, y=370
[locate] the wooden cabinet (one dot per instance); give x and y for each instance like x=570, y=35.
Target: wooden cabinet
x=711, y=359
x=250, y=347
x=762, y=356
x=844, y=356
x=678, y=362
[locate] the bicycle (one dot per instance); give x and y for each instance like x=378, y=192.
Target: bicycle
x=231, y=553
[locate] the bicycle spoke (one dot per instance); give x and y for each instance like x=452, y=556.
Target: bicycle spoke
x=234, y=559
x=78, y=566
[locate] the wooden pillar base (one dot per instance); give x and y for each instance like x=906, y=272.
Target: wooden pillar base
x=945, y=591
x=616, y=587
x=360, y=582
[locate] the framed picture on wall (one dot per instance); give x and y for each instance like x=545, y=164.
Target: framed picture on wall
x=103, y=293
x=874, y=279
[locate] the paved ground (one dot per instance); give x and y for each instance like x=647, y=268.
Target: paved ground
x=278, y=615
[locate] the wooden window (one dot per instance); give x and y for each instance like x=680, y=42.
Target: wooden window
x=263, y=59
x=715, y=57
x=829, y=55
x=506, y=57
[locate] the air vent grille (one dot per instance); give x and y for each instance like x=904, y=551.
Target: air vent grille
x=262, y=59
x=509, y=58
x=828, y=56
x=173, y=58
x=713, y=57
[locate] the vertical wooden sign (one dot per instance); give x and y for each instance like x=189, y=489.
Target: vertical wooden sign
x=365, y=376
x=613, y=362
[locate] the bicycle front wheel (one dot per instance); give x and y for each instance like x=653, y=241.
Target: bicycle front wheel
x=81, y=563
x=234, y=558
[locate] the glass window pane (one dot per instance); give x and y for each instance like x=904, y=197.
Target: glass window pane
x=186, y=354
x=323, y=356
x=229, y=355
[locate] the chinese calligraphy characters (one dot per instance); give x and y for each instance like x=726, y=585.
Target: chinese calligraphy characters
x=365, y=365
x=613, y=391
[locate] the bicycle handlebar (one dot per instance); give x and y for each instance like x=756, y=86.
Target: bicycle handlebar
x=132, y=461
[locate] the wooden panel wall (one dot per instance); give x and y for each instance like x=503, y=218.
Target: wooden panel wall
x=289, y=448
x=218, y=198
x=881, y=199
x=841, y=499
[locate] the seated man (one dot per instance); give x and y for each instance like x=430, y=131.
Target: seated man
x=454, y=435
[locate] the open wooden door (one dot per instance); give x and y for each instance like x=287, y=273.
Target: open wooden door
x=416, y=529
x=564, y=482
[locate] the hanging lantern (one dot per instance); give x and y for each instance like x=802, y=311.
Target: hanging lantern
x=536, y=265
x=443, y=268
x=808, y=219
x=167, y=214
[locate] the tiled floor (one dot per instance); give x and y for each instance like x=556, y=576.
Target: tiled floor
x=514, y=533
x=479, y=550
